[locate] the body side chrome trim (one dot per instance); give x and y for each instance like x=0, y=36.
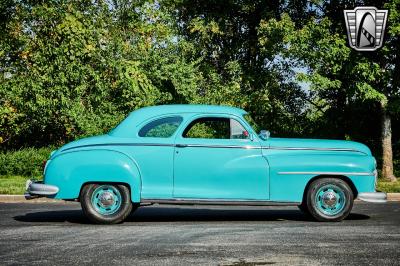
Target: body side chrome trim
x=244, y=202
x=327, y=173
x=312, y=149
x=165, y=145
x=211, y=146
x=120, y=144
x=219, y=146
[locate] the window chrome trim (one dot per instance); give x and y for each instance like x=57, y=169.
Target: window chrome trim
x=328, y=173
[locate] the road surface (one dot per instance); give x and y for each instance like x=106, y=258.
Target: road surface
x=56, y=234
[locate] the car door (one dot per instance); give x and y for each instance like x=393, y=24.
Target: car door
x=154, y=152
x=216, y=158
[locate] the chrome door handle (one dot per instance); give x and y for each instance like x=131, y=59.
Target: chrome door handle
x=181, y=145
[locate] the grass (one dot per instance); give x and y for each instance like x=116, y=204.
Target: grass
x=389, y=186
x=15, y=185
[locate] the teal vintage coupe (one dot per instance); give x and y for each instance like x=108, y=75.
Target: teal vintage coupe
x=203, y=154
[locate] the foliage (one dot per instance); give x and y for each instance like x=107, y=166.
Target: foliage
x=24, y=162
x=70, y=68
x=73, y=68
x=239, y=70
x=343, y=84
x=389, y=187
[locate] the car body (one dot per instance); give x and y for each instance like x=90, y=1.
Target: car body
x=205, y=154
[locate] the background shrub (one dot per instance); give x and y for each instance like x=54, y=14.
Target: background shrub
x=24, y=162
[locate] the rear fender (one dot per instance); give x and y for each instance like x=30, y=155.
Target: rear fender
x=69, y=171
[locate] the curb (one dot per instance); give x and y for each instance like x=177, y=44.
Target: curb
x=393, y=196
x=21, y=199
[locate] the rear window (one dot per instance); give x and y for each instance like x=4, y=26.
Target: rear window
x=161, y=128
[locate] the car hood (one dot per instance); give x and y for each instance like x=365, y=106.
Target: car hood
x=323, y=144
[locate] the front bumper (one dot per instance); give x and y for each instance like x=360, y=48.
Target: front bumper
x=375, y=197
x=36, y=189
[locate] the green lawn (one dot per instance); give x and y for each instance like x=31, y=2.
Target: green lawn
x=16, y=185
x=389, y=187
x=12, y=184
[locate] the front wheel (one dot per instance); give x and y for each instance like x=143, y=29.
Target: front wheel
x=106, y=203
x=329, y=199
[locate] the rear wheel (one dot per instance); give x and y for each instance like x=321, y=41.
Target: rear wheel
x=106, y=203
x=329, y=199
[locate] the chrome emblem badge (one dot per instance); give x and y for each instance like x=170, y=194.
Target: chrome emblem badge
x=365, y=27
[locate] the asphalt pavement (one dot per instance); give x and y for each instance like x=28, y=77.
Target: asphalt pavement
x=57, y=234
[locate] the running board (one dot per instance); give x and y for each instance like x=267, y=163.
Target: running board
x=218, y=202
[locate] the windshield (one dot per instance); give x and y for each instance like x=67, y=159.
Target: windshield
x=251, y=122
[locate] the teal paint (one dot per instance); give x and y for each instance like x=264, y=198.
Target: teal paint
x=232, y=169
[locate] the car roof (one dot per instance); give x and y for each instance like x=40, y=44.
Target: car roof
x=190, y=108
x=138, y=116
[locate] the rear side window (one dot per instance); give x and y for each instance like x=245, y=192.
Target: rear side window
x=161, y=128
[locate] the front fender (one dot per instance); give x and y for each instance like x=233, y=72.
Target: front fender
x=69, y=171
x=290, y=172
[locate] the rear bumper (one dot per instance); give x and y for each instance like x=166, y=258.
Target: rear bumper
x=375, y=197
x=36, y=189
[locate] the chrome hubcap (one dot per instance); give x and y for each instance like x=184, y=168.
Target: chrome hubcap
x=329, y=198
x=106, y=199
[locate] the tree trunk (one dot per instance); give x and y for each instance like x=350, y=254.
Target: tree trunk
x=387, y=153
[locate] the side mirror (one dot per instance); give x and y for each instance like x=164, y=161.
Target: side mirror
x=264, y=134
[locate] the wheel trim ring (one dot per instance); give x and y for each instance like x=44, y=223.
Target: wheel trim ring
x=340, y=202
x=99, y=206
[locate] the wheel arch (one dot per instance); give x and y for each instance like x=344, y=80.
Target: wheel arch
x=341, y=177
x=102, y=183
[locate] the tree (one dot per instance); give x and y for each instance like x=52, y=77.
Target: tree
x=340, y=77
x=76, y=68
x=237, y=68
x=391, y=65
x=72, y=68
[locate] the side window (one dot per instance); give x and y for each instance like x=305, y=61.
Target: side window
x=215, y=128
x=161, y=128
x=237, y=130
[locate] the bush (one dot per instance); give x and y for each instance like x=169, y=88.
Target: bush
x=24, y=162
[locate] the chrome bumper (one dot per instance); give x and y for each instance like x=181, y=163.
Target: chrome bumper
x=375, y=197
x=36, y=189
